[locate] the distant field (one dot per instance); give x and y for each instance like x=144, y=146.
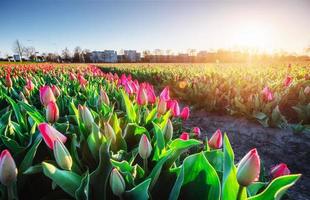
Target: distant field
x=233, y=88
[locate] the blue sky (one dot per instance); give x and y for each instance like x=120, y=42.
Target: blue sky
x=52, y=25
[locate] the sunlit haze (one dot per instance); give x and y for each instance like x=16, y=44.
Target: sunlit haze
x=259, y=26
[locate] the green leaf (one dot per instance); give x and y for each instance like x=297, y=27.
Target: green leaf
x=28, y=159
x=151, y=115
x=33, y=113
x=34, y=169
x=66, y=180
x=215, y=157
x=131, y=114
x=159, y=136
x=99, y=178
x=140, y=192
x=277, y=188
x=255, y=187
x=17, y=112
x=197, y=180
x=82, y=192
x=230, y=184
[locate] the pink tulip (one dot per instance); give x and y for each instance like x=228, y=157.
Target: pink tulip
x=8, y=170
x=52, y=112
x=8, y=81
x=173, y=105
x=151, y=97
x=279, y=170
x=184, y=136
x=196, y=131
x=145, y=147
x=216, y=141
x=165, y=94
x=46, y=95
x=72, y=76
x=267, y=94
x=288, y=81
x=56, y=91
x=162, y=106
x=50, y=134
x=142, y=96
x=29, y=84
x=248, y=168
x=185, y=113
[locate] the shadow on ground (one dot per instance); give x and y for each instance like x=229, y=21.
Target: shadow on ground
x=274, y=145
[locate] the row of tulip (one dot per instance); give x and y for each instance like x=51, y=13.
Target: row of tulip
x=276, y=95
x=111, y=137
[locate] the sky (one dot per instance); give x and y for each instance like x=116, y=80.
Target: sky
x=179, y=25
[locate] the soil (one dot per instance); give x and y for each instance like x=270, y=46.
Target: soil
x=274, y=145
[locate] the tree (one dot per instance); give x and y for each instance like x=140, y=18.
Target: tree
x=77, y=56
x=29, y=52
x=87, y=56
x=18, y=48
x=66, y=56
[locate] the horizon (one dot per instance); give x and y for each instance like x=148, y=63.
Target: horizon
x=263, y=27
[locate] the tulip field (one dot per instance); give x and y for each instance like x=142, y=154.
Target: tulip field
x=273, y=94
x=89, y=132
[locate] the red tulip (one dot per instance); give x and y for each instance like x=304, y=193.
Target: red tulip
x=196, y=131
x=279, y=170
x=56, y=91
x=46, y=95
x=288, y=81
x=165, y=94
x=52, y=112
x=215, y=141
x=141, y=96
x=50, y=134
x=8, y=81
x=248, y=168
x=8, y=170
x=185, y=113
x=184, y=136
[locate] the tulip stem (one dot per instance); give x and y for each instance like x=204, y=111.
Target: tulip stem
x=145, y=165
x=240, y=192
x=11, y=192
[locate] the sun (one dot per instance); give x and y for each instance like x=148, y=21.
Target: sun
x=254, y=36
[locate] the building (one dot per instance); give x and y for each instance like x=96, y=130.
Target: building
x=109, y=56
x=132, y=56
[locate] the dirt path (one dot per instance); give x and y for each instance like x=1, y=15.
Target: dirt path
x=273, y=145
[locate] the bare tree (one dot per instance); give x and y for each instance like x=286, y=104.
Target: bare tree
x=66, y=56
x=29, y=52
x=18, y=48
x=77, y=55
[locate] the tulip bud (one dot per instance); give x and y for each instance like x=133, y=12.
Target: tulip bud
x=165, y=94
x=248, y=168
x=26, y=91
x=103, y=98
x=8, y=81
x=52, y=112
x=287, y=81
x=168, y=131
x=215, y=141
x=86, y=116
x=173, y=105
x=279, y=170
x=8, y=170
x=62, y=155
x=185, y=113
x=141, y=96
x=56, y=91
x=162, y=106
x=29, y=84
x=109, y=132
x=117, y=183
x=151, y=97
x=196, y=131
x=46, y=95
x=145, y=147
x=50, y=134
x=184, y=136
